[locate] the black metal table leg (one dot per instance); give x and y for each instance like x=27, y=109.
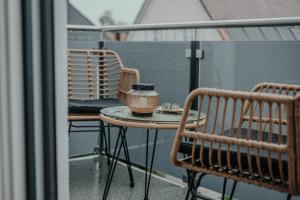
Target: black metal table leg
x=121, y=142
x=108, y=141
x=148, y=177
x=112, y=166
x=100, y=140
x=127, y=157
x=105, y=142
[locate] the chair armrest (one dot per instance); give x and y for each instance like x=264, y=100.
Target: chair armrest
x=128, y=76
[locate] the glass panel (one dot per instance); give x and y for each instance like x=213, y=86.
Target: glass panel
x=235, y=58
x=241, y=65
x=162, y=35
x=289, y=33
x=163, y=64
x=83, y=39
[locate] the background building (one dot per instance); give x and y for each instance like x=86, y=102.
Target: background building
x=169, y=11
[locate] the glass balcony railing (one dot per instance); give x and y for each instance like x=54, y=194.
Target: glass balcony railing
x=228, y=55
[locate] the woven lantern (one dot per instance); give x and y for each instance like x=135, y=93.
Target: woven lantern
x=142, y=99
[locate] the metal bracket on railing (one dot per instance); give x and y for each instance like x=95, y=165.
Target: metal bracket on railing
x=199, y=53
x=195, y=54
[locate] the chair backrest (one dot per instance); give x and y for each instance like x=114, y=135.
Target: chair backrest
x=277, y=88
x=275, y=112
x=93, y=74
x=231, y=154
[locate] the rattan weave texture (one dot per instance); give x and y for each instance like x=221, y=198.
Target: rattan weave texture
x=248, y=136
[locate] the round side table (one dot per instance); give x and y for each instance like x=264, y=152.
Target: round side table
x=121, y=117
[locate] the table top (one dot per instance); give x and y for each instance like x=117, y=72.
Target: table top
x=122, y=116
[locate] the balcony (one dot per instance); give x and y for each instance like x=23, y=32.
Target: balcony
x=234, y=55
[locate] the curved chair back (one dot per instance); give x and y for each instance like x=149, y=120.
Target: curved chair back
x=247, y=136
x=93, y=74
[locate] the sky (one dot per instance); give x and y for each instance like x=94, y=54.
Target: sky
x=122, y=10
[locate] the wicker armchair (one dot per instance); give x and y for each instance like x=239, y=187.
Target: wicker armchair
x=96, y=79
x=248, y=137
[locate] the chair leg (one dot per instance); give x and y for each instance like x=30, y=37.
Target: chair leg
x=289, y=197
x=103, y=135
x=224, y=188
x=194, y=188
x=190, y=184
x=70, y=126
x=108, y=141
x=100, y=139
x=190, y=176
x=233, y=190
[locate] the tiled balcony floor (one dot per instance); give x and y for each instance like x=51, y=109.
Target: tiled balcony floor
x=87, y=182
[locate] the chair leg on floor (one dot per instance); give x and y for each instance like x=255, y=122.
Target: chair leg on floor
x=70, y=126
x=107, y=150
x=108, y=142
x=190, y=184
x=233, y=190
x=194, y=189
x=190, y=175
x=224, y=188
x=100, y=139
x=288, y=197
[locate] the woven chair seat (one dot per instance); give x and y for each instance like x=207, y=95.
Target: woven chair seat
x=186, y=148
x=77, y=106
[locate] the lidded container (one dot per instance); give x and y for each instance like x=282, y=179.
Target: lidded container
x=142, y=99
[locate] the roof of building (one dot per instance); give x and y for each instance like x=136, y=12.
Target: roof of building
x=250, y=9
x=141, y=11
x=75, y=17
x=242, y=9
x=247, y=9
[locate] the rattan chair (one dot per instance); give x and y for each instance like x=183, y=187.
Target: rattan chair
x=96, y=79
x=251, y=137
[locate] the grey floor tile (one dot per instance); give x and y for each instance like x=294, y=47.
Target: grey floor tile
x=87, y=182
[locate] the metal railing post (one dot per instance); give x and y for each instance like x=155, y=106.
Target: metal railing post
x=194, y=67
